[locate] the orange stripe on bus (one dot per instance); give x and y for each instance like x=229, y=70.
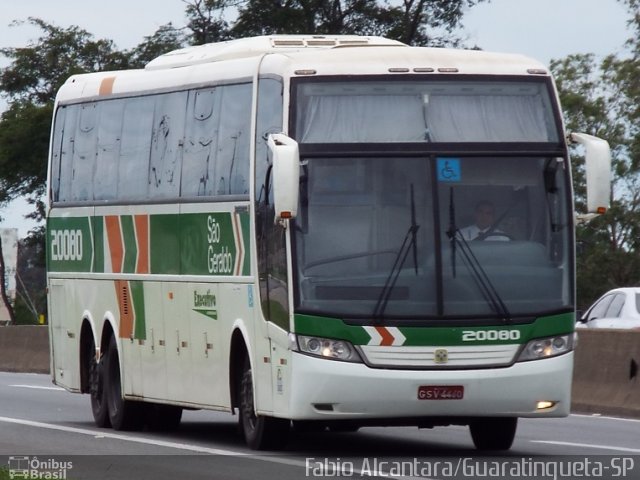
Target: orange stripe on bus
x=387, y=338
x=126, y=308
x=106, y=86
x=114, y=237
x=142, y=238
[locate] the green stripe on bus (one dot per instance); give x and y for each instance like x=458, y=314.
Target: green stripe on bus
x=433, y=336
x=137, y=296
x=98, y=242
x=164, y=244
x=330, y=328
x=179, y=244
x=246, y=230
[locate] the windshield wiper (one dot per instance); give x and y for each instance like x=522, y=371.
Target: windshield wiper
x=474, y=266
x=409, y=242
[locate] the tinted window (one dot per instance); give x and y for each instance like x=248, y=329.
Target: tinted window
x=105, y=180
x=600, y=308
x=615, y=307
x=166, y=145
x=424, y=111
x=234, y=139
x=132, y=149
x=201, y=139
x=84, y=153
x=56, y=151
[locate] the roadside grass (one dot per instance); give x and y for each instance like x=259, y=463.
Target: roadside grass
x=4, y=473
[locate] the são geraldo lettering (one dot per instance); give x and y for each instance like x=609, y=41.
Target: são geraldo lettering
x=219, y=260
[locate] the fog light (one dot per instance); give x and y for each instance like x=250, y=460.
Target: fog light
x=545, y=405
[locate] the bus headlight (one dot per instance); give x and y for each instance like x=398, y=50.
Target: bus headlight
x=325, y=348
x=546, y=347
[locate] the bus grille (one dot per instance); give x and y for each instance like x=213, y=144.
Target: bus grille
x=439, y=357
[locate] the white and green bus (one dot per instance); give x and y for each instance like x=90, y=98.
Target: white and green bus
x=273, y=226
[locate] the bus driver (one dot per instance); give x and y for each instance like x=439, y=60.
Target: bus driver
x=482, y=228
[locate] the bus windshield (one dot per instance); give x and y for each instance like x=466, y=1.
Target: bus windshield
x=433, y=237
x=441, y=110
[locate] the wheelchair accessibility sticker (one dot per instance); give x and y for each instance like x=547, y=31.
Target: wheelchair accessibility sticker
x=449, y=170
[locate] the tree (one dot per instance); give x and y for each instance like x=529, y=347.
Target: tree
x=30, y=83
x=31, y=297
x=38, y=70
x=415, y=22
x=206, y=20
x=165, y=39
x=601, y=99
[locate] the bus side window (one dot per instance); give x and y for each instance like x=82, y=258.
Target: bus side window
x=84, y=157
x=166, y=145
x=134, y=148
x=56, y=152
x=105, y=178
x=232, y=170
x=201, y=139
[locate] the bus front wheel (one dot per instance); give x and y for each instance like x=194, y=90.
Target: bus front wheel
x=493, y=433
x=260, y=432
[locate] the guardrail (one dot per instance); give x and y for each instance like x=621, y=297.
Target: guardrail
x=606, y=376
x=24, y=349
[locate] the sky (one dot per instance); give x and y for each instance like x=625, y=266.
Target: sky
x=541, y=29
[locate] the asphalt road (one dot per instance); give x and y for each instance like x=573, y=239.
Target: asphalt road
x=40, y=421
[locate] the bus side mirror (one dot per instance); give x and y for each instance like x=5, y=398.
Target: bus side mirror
x=286, y=175
x=598, y=171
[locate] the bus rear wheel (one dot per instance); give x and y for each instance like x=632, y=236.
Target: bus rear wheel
x=123, y=414
x=260, y=432
x=97, y=388
x=493, y=433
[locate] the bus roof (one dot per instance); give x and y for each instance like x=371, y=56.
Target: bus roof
x=290, y=56
x=254, y=46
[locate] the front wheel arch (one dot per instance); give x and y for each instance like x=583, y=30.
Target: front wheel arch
x=237, y=354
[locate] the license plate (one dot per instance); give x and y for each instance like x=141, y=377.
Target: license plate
x=440, y=392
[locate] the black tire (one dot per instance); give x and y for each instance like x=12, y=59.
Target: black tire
x=493, y=433
x=123, y=414
x=260, y=432
x=97, y=388
x=163, y=418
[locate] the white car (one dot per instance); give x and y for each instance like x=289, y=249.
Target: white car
x=618, y=308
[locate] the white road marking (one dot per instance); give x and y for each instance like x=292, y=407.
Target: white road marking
x=588, y=445
x=150, y=441
x=185, y=446
x=604, y=417
x=119, y=436
x=57, y=389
